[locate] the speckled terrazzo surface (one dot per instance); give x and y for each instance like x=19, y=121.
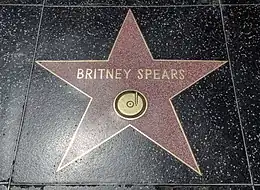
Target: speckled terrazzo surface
x=40, y=111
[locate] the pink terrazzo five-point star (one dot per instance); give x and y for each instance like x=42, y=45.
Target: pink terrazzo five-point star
x=160, y=123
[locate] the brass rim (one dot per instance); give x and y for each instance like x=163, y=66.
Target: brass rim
x=130, y=104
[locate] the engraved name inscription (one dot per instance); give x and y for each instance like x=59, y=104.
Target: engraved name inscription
x=157, y=74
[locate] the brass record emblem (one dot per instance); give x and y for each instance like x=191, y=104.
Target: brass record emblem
x=130, y=104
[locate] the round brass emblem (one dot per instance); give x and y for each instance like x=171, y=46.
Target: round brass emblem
x=130, y=104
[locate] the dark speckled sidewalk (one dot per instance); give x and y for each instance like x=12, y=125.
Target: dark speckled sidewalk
x=40, y=112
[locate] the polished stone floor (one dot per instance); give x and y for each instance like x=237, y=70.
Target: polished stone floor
x=40, y=112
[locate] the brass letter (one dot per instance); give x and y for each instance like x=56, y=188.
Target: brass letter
x=80, y=74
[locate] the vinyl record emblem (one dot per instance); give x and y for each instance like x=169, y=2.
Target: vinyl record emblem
x=130, y=104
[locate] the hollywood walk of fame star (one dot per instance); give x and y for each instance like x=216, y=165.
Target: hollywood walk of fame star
x=130, y=65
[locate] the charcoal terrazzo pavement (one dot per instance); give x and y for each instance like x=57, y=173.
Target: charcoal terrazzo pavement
x=130, y=3
x=243, y=40
x=18, y=34
x=135, y=188
x=23, y=2
x=207, y=110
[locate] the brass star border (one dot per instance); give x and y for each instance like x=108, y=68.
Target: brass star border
x=130, y=31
